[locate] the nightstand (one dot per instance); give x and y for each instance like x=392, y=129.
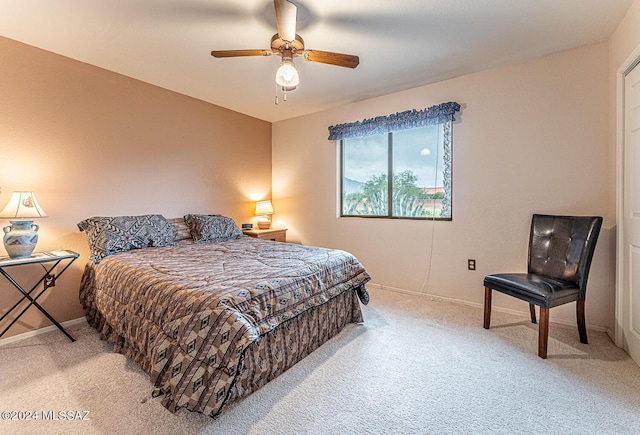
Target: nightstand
x=275, y=234
x=64, y=258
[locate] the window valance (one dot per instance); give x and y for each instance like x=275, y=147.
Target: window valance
x=395, y=122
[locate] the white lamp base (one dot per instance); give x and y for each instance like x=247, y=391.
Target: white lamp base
x=20, y=238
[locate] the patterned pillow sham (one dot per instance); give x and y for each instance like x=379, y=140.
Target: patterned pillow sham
x=181, y=230
x=212, y=228
x=109, y=235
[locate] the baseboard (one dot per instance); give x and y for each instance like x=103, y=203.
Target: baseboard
x=33, y=333
x=478, y=305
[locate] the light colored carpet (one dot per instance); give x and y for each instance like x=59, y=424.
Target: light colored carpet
x=416, y=366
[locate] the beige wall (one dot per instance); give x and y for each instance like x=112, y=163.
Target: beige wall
x=531, y=137
x=90, y=142
x=624, y=41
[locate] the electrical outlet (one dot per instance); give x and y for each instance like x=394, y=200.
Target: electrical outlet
x=50, y=280
x=471, y=264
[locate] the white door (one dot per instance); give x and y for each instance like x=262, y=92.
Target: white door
x=631, y=217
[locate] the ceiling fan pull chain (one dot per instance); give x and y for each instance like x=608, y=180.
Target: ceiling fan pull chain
x=276, y=94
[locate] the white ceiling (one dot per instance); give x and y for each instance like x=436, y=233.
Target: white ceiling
x=401, y=43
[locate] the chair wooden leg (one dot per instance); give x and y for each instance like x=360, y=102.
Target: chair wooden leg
x=543, y=332
x=582, y=327
x=532, y=310
x=487, y=307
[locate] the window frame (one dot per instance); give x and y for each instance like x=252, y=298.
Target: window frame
x=447, y=145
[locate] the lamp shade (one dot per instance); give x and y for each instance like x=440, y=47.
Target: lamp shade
x=264, y=208
x=22, y=205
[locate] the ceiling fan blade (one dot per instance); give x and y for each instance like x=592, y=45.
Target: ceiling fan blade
x=286, y=13
x=338, y=59
x=239, y=53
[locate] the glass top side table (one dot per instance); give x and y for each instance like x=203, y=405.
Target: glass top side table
x=49, y=260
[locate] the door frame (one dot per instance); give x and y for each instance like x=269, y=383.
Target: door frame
x=632, y=60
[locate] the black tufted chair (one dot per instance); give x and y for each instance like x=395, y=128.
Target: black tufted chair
x=560, y=253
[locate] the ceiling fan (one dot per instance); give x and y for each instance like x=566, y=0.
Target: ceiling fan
x=287, y=44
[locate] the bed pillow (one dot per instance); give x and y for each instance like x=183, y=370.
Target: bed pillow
x=181, y=230
x=212, y=228
x=109, y=235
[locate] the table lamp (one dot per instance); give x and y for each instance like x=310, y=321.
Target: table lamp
x=264, y=209
x=21, y=236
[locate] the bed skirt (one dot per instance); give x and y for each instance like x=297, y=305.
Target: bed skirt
x=280, y=349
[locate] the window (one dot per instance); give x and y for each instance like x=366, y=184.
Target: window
x=400, y=173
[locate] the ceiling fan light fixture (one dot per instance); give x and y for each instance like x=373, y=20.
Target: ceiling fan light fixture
x=287, y=74
x=287, y=44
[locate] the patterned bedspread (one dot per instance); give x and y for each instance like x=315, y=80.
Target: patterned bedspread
x=187, y=313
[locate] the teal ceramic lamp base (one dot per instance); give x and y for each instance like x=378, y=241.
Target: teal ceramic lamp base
x=20, y=238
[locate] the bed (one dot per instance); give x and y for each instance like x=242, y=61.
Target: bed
x=212, y=318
